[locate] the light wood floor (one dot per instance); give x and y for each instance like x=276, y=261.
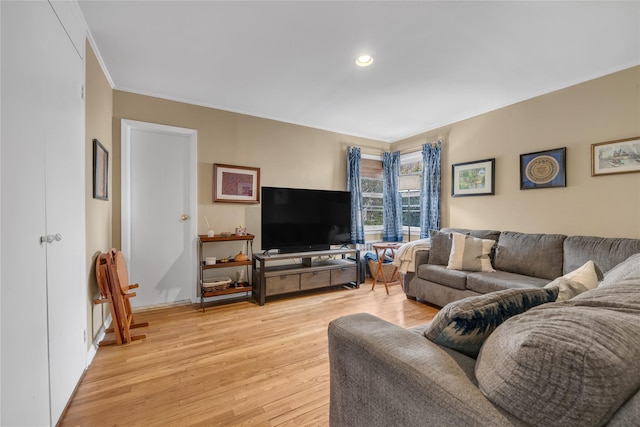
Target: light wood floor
x=234, y=365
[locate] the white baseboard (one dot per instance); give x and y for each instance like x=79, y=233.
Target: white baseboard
x=93, y=349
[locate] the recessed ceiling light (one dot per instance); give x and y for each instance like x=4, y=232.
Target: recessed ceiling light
x=364, y=60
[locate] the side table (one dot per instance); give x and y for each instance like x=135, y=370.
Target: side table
x=381, y=251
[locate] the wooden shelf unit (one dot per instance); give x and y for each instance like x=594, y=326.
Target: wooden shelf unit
x=304, y=276
x=202, y=267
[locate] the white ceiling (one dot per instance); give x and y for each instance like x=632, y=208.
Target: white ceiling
x=293, y=61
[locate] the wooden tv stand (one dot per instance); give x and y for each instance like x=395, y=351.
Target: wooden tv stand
x=305, y=275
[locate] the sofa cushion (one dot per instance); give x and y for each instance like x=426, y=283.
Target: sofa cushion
x=500, y=280
x=537, y=255
x=629, y=268
x=580, y=357
x=440, y=274
x=463, y=325
x=470, y=253
x=606, y=252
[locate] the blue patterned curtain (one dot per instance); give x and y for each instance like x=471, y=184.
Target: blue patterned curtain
x=391, y=198
x=430, y=189
x=353, y=185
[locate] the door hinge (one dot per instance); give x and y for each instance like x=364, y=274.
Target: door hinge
x=84, y=337
x=81, y=91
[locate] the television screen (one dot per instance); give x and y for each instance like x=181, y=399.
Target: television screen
x=298, y=220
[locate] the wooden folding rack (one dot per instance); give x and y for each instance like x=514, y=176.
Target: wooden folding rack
x=113, y=281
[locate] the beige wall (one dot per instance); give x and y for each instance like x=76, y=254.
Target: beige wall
x=98, y=112
x=287, y=155
x=603, y=109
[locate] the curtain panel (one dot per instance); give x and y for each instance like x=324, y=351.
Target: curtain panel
x=391, y=198
x=354, y=186
x=430, y=189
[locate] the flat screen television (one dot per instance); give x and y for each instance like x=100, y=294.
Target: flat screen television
x=300, y=220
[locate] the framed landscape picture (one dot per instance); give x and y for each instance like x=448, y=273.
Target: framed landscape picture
x=100, y=171
x=543, y=169
x=473, y=178
x=236, y=184
x=612, y=157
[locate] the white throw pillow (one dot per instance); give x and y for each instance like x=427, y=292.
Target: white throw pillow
x=470, y=253
x=587, y=275
x=576, y=282
x=567, y=288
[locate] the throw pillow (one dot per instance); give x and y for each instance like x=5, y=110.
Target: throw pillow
x=470, y=253
x=463, y=325
x=575, y=282
x=440, y=247
x=586, y=274
x=572, y=363
x=627, y=269
x=567, y=288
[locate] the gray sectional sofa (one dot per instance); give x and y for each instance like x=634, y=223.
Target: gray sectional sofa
x=571, y=362
x=568, y=363
x=520, y=259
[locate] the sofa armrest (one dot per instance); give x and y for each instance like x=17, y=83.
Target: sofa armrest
x=421, y=257
x=383, y=375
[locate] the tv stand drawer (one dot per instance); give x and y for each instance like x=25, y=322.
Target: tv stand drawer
x=342, y=275
x=282, y=284
x=315, y=279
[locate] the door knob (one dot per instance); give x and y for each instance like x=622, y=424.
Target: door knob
x=184, y=217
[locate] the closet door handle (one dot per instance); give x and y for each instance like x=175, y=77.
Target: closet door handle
x=50, y=238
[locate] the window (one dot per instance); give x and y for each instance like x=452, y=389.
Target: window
x=409, y=186
x=371, y=179
x=372, y=184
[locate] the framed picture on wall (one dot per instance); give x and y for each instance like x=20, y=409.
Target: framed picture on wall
x=473, y=178
x=100, y=171
x=612, y=157
x=543, y=169
x=236, y=184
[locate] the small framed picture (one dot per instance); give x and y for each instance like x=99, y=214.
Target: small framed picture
x=473, y=178
x=236, y=184
x=613, y=157
x=100, y=171
x=543, y=169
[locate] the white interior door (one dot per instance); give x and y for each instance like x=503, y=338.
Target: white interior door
x=158, y=204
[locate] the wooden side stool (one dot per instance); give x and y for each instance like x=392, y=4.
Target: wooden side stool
x=381, y=252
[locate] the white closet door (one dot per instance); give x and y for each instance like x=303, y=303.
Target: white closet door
x=23, y=359
x=43, y=288
x=65, y=207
